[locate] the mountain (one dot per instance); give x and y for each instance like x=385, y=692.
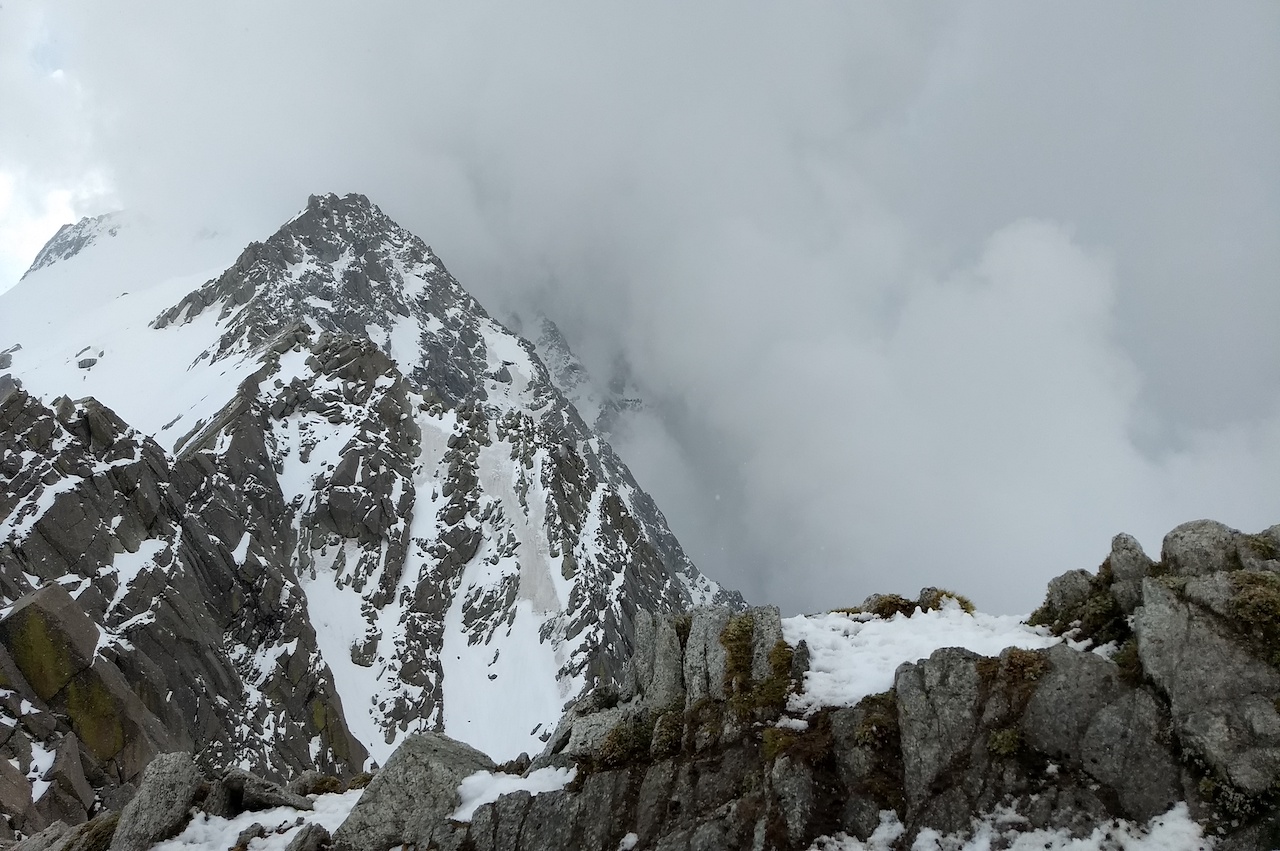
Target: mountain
x=288, y=507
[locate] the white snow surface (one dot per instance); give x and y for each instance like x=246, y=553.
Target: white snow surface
x=1173, y=831
x=852, y=656
x=41, y=761
x=213, y=833
x=485, y=787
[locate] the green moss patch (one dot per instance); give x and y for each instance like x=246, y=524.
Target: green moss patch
x=94, y=716
x=42, y=654
x=1024, y=666
x=811, y=745
x=1255, y=610
x=879, y=726
x=749, y=698
x=1005, y=743
x=1130, y=664
x=935, y=598
x=668, y=735
x=628, y=742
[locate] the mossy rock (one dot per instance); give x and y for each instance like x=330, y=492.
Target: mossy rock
x=1024, y=666
x=94, y=835
x=776, y=741
x=932, y=599
x=736, y=640
x=748, y=698
x=360, y=781
x=95, y=716
x=43, y=654
x=1005, y=743
x=626, y=743
x=810, y=745
x=1098, y=616
x=1255, y=606
x=668, y=735
x=879, y=726
x=1129, y=662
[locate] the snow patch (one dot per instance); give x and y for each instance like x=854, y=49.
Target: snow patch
x=485, y=787
x=1173, y=831
x=213, y=833
x=850, y=658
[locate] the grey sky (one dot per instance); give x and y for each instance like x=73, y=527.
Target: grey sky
x=921, y=294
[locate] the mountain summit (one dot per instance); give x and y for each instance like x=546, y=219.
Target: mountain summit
x=320, y=498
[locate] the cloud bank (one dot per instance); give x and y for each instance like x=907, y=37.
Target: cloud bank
x=918, y=295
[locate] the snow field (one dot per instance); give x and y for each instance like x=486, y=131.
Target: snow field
x=852, y=656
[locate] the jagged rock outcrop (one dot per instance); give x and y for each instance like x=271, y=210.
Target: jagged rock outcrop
x=696, y=749
x=123, y=596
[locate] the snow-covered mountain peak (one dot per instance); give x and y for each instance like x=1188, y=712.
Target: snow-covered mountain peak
x=381, y=461
x=71, y=239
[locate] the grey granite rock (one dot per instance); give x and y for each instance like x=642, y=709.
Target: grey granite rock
x=162, y=804
x=410, y=799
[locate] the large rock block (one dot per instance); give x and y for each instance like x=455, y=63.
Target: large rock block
x=1221, y=696
x=410, y=799
x=1129, y=566
x=704, y=655
x=162, y=804
x=50, y=638
x=1200, y=547
x=938, y=706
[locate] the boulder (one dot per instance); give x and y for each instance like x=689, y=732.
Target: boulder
x=15, y=790
x=162, y=804
x=46, y=840
x=410, y=799
x=1068, y=590
x=312, y=837
x=1200, y=547
x=67, y=772
x=1129, y=566
x=1126, y=748
x=93, y=835
x=249, y=793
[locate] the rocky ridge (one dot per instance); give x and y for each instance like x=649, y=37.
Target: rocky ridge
x=702, y=744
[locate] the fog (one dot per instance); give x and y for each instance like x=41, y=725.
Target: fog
x=916, y=294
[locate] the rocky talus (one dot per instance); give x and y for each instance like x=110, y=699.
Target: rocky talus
x=1165, y=693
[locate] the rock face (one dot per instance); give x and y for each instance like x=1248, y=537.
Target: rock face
x=122, y=590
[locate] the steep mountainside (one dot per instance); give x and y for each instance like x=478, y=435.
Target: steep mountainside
x=319, y=497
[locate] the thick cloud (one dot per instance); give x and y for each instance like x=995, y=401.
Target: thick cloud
x=918, y=294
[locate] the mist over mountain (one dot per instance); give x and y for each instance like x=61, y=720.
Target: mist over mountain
x=300, y=548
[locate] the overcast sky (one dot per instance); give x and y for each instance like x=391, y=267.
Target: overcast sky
x=920, y=294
